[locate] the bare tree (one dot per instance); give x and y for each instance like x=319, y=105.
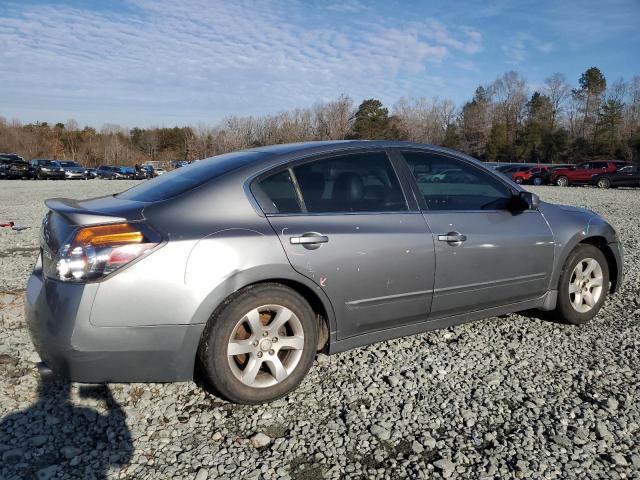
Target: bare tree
x=509, y=95
x=558, y=90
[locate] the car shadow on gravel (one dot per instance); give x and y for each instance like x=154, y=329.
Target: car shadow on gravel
x=542, y=315
x=54, y=437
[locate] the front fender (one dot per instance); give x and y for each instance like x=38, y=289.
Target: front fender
x=571, y=226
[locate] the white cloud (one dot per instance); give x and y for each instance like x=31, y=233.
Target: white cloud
x=520, y=47
x=162, y=58
x=546, y=47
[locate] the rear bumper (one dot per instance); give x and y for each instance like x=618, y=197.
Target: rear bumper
x=17, y=174
x=75, y=175
x=57, y=316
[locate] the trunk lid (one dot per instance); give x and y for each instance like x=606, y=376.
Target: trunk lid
x=66, y=214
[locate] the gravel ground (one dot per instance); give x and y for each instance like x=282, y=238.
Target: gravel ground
x=510, y=397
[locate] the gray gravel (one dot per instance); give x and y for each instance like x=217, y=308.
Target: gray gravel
x=509, y=397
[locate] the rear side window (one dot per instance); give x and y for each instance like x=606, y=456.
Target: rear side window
x=189, y=177
x=450, y=184
x=359, y=182
x=276, y=194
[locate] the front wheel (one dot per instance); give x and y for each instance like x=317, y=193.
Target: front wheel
x=562, y=181
x=604, y=183
x=518, y=180
x=537, y=181
x=259, y=344
x=583, y=285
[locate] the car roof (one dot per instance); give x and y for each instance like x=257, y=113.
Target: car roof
x=332, y=145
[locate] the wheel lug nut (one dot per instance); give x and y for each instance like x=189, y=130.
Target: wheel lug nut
x=275, y=339
x=271, y=352
x=259, y=354
x=255, y=343
x=264, y=334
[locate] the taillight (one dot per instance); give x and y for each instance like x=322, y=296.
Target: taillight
x=96, y=251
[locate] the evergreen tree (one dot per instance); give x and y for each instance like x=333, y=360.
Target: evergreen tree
x=371, y=120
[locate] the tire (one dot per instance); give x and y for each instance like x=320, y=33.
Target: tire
x=518, y=180
x=562, y=181
x=569, y=308
x=259, y=348
x=537, y=181
x=603, y=182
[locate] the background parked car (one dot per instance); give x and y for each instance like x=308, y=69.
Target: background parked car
x=627, y=176
x=127, y=173
x=13, y=166
x=582, y=173
x=110, y=172
x=509, y=170
x=149, y=171
x=524, y=176
x=92, y=173
x=44, y=169
x=160, y=171
x=73, y=170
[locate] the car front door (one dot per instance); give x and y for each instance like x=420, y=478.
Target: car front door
x=344, y=222
x=487, y=254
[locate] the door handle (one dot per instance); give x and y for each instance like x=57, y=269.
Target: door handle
x=309, y=240
x=453, y=238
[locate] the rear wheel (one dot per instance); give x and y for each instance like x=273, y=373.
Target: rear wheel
x=537, y=181
x=604, y=183
x=562, y=181
x=518, y=180
x=260, y=344
x=583, y=285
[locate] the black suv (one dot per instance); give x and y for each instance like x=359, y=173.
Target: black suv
x=13, y=166
x=43, y=169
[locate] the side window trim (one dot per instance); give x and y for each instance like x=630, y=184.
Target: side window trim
x=296, y=187
x=397, y=152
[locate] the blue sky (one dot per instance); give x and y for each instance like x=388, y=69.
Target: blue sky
x=165, y=62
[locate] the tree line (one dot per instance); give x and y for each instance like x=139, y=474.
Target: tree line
x=506, y=120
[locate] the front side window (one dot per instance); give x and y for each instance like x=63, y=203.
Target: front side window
x=450, y=184
x=359, y=182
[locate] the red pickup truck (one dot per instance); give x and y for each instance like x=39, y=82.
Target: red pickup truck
x=581, y=174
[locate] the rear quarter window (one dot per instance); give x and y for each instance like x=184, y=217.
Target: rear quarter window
x=186, y=178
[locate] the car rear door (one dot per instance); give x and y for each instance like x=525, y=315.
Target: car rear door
x=345, y=223
x=486, y=254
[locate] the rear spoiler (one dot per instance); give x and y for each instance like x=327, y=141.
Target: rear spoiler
x=77, y=214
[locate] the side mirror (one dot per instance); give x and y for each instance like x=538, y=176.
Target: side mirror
x=530, y=201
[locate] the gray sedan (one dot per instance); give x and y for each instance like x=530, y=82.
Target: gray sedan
x=243, y=266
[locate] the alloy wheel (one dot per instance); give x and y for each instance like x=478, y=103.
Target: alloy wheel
x=265, y=346
x=585, y=285
x=603, y=183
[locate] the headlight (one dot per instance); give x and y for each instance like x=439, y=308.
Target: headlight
x=97, y=251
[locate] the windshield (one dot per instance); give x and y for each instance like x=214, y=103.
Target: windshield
x=49, y=163
x=188, y=177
